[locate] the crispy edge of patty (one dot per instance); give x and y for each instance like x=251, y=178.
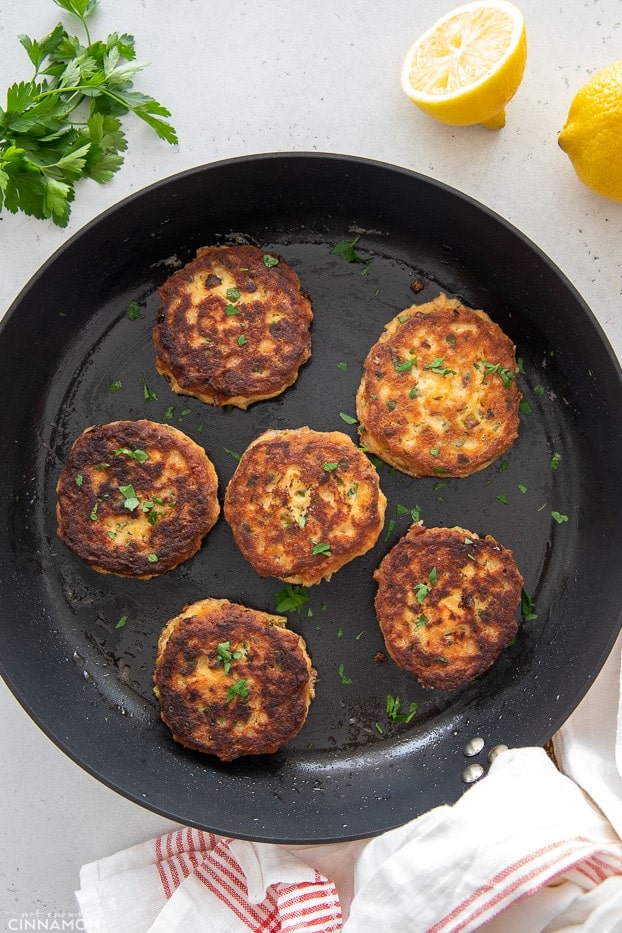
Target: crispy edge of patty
x=228, y=351
x=176, y=490
x=193, y=678
x=303, y=503
x=446, y=604
x=447, y=419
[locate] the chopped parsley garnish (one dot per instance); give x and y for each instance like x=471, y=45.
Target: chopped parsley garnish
x=321, y=547
x=241, y=340
x=129, y=495
x=527, y=607
x=343, y=367
x=406, y=365
x=415, y=513
x=78, y=479
x=133, y=311
x=270, y=261
x=224, y=654
x=344, y=679
x=233, y=294
x=115, y=386
x=122, y=621
x=436, y=366
x=506, y=375
x=330, y=466
x=232, y=453
x=139, y=455
x=238, y=689
x=291, y=598
x=148, y=394
x=345, y=250
x=393, y=707
x=559, y=518
x=423, y=589
x=152, y=558
x=347, y=418
x=230, y=310
x=555, y=461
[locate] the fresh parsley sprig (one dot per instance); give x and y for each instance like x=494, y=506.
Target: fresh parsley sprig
x=64, y=124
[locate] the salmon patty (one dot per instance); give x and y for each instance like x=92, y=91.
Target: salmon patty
x=232, y=681
x=438, y=394
x=303, y=503
x=446, y=604
x=136, y=498
x=233, y=327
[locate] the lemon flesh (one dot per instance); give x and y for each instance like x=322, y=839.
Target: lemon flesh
x=467, y=67
x=592, y=134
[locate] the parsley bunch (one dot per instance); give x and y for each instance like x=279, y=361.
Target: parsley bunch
x=64, y=124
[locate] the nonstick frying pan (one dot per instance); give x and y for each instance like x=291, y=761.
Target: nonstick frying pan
x=77, y=647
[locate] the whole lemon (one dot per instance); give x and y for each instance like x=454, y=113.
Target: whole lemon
x=592, y=135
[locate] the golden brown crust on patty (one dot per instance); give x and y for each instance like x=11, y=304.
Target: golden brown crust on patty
x=438, y=394
x=136, y=498
x=446, y=604
x=303, y=503
x=231, y=680
x=233, y=328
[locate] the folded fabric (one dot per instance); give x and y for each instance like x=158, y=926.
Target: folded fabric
x=196, y=881
x=525, y=831
x=588, y=747
x=524, y=849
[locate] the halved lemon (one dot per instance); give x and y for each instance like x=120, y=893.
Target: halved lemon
x=469, y=64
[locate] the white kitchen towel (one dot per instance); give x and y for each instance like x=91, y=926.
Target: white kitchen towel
x=196, y=881
x=588, y=747
x=523, y=850
x=525, y=841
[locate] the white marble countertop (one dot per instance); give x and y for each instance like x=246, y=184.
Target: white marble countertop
x=252, y=76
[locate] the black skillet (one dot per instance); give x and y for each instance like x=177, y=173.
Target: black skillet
x=68, y=341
